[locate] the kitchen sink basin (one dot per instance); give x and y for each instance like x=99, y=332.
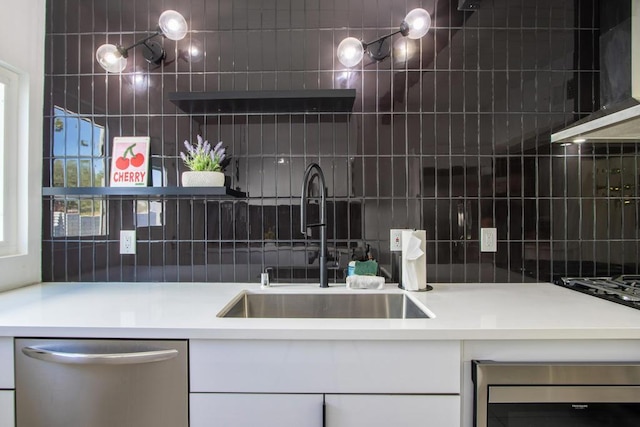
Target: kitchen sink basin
x=323, y=306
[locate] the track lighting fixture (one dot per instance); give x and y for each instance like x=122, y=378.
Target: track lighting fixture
x=171, y=25
x=351, y=50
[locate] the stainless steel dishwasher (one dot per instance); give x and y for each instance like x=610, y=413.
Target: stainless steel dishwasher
x=100, y=383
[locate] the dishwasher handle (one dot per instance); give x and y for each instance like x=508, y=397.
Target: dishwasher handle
x=73, y=358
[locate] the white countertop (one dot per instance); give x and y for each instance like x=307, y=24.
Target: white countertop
x=188, y=310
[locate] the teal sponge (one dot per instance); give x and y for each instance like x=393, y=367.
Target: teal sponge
x=366, y=268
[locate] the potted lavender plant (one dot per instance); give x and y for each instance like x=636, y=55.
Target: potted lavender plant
x=206, y=164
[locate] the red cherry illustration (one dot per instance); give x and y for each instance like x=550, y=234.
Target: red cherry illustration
x=137, y=160
x=122, y=163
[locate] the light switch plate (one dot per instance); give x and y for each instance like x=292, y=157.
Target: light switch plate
x=127, y=242
x=488, y=240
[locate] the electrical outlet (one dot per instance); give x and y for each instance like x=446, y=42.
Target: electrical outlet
x=488, y=240
x=396, y=240
x=127, y=242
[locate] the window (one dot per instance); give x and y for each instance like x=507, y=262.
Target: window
x=22, y=78
x=9, y=81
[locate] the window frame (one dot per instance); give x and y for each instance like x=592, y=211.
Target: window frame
x=25, y=55
x=9, y=194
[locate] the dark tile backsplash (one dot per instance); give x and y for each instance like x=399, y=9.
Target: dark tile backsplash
x=451, y=137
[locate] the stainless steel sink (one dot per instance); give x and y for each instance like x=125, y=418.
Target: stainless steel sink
x=323, y=306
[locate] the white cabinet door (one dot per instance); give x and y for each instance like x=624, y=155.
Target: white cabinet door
x=7, y=414
x=352, y=410
x=251, y=410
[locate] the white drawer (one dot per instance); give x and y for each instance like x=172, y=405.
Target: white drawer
x=6, y=363
x=7, y=411
x=370, y=410
x=250, y=410
x=292, y=366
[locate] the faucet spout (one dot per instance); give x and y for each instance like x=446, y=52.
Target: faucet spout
x=313, y=171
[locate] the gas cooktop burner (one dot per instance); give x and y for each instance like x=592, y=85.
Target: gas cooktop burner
x=623, y=289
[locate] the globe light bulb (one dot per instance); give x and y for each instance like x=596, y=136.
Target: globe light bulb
x=350, y=52
x=110, y=58
x=419, y=22
x=173, y=25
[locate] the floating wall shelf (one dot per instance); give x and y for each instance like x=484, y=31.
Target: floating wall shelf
x=219, y=192
x=265, y=101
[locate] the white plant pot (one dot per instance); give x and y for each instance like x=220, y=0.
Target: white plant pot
x=202, y=179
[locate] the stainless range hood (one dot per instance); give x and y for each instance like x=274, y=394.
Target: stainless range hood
x=619, y=118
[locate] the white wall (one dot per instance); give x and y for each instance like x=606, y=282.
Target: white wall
x=22, y=46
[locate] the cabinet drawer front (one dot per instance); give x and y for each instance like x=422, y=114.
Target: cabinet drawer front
x=7, y=411
x=274, y=366
x=6, y=363
x=250, y=410
x=386, y=410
